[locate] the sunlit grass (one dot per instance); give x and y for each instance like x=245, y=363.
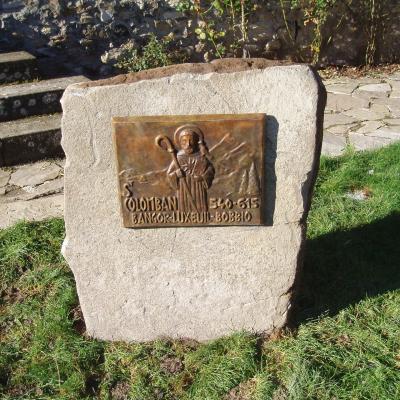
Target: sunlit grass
x=350, y=288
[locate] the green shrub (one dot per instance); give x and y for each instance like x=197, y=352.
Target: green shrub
x=154, y=54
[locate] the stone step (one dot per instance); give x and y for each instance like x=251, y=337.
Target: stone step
x=17, y=66
x=30, y=139
x=34, y=98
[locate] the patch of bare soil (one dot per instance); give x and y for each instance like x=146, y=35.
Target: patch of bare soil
x=78, y=321
x=172, y=365
x=120, y=391
x=244, y=391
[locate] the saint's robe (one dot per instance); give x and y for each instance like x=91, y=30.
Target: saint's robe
x=199, y=174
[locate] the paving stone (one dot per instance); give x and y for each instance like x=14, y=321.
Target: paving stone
x=392, y=104
x=61, y=162
x=364, y=114
x=380, y=108
x=342, y=88
x=392, y=121
x=395, y=76
x=373, y=91
x=389, y=102
x=333, y=145
x=395, y=94
x=45, y=189
x=11, y=193
x=363, y=142
x=376, y=88
x=34, y=210
x=342, y=102
x=387, y=132
x=35, y=174
x=395, y=113
x=341, y=129
x=395, y=84
x=364, y=80
x=337, y=119
x=367, y=80
x=369, y=126
x=4, y=177
x=342, y=80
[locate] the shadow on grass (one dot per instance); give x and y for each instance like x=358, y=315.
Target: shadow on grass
x=343, y=267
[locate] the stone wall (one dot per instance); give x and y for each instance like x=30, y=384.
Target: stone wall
x=85, y=35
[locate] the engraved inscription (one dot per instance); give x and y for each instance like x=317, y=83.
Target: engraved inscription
x=190, y=170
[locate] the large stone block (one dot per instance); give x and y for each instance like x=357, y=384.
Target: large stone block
x=140, y=284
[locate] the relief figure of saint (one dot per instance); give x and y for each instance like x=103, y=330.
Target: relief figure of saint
x=192, y=175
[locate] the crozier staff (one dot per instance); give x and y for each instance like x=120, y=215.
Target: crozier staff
x=193, y=175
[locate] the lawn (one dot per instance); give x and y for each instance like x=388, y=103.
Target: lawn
x=344, y=336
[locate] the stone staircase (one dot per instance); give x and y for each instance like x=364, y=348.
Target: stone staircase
x=30, y=112
x=19, y=65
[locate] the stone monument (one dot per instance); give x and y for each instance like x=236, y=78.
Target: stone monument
x=186, y=196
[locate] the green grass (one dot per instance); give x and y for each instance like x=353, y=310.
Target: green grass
x=345, y=337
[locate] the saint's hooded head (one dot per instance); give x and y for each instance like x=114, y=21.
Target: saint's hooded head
x=190, y=139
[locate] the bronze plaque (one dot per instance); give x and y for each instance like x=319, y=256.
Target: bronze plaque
x=190, y=170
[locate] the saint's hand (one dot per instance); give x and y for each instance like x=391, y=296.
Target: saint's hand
x=179, y=173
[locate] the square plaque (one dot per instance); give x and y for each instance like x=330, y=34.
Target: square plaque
x=190, y=170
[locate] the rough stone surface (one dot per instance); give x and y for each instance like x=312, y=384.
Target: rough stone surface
x=220, y=65
x=363, y=114
x=39, y=209
x=139, y=284
x=45, y=189
x=369, y=126
x=395, y=94
x=392, y=121
x=339, y=129
x=389, y=132
x=344, y=88
x=33, y=193
x=369, y=142
x=31, y=175
x=333, y=145
x=342, y=102
x=381, y=88
x=337, y=119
